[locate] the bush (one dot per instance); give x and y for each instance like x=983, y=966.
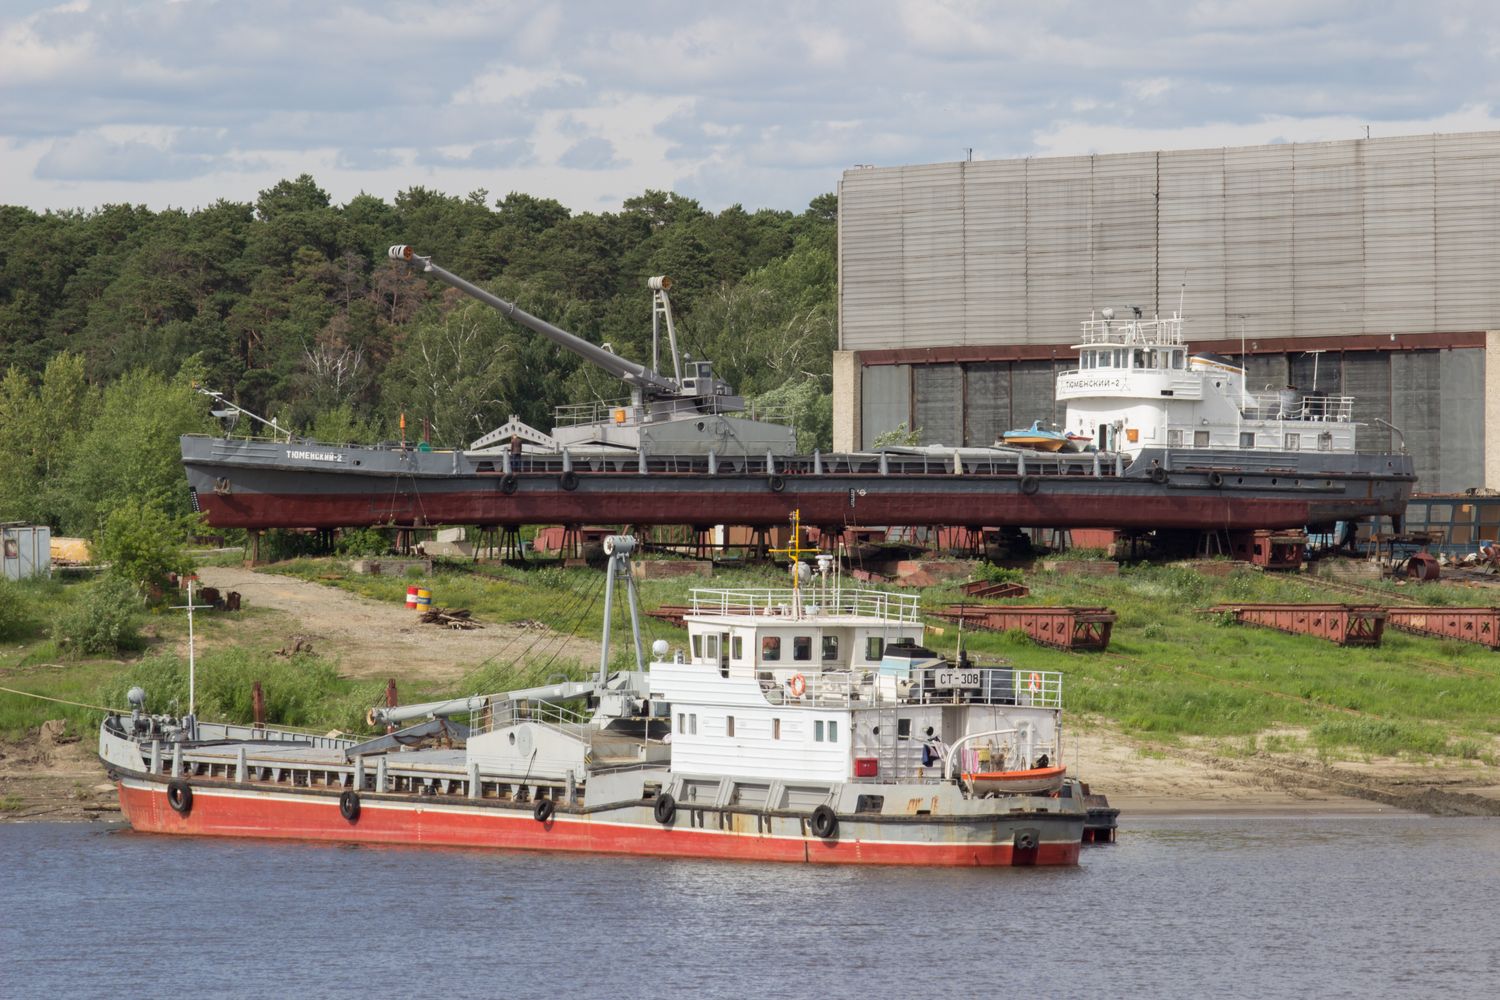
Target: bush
x=360, y=543
x=13, y=619
x=999, y=574
x=142, y=546
x=104, y=621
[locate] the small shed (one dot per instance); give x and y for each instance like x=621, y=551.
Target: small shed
x=25, y=550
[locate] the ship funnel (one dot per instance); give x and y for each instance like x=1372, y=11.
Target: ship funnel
x=660, y=283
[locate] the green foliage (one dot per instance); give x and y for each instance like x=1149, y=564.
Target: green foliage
x=104, y=620
x=14, y=619
x=142, y=545
x=898, y=436
x=359, y=543
x=998, y=574
x=806, y=403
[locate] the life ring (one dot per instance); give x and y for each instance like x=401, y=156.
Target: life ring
x=797, y=685
x=665, y=810
x=568, y=480
x=776, y=483
x=1034, y=684
x=543, y=810
x=1216, y=479
x=509, y=483
x=1158, y=475
x=180, y=797
x=349, y=805
x=1030, y=484
x=825, y=822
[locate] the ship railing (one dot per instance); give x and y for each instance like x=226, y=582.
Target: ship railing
x=998, y=461
x=772, y=601
x=1041, y=689
x=1281, y=406
x=501, y=712
x=625, y=413
x=1134, y=332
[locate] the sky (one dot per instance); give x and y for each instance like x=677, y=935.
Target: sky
x=184, y=102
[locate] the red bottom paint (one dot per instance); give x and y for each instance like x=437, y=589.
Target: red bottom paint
x=217, y=813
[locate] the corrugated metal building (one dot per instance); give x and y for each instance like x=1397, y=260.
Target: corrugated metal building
x=1371, y=265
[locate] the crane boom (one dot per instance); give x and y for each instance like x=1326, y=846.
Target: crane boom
x=636, y=375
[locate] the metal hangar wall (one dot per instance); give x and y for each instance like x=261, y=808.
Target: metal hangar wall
x=1364, y=267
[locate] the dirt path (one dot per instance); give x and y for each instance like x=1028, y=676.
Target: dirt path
x=373, y=639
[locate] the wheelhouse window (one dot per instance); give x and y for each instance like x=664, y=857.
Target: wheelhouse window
x=737, y=648
x=697, y=647
x=770, y=647
x=802, y=648
x=1247, y=439
x=874, y=647
x=830, y=648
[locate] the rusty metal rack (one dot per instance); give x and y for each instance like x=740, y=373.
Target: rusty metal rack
x=991, y=588
x=1345, y=624
x=1072, y=628
x=1481, y=625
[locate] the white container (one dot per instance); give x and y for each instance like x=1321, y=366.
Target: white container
x=25, y=551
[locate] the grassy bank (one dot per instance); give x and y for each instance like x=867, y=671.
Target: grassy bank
x=1172, y=672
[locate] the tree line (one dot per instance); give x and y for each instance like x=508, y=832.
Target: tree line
x=109, y=319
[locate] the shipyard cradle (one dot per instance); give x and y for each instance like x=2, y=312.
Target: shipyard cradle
x=804, y=724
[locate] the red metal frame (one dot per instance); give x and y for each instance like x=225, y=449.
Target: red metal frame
x=1344, y=624
x=1479, y=625
x=1071, y=628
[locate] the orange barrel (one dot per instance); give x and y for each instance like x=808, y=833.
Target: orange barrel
x=411, y=598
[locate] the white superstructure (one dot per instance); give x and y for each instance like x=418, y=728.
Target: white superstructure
x=1138, y=386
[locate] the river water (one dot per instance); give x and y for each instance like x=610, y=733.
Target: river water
x=1337, y=906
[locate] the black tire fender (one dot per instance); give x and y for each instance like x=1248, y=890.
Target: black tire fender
x=180, y=796
x=568, y=480
x=825, y=822
x=1030, y=484
x=509, y=483
x=349, y=804
x=665, y=810
x=1159, y=475
x=543, y=810
x=777, y=484
x=1216, y=479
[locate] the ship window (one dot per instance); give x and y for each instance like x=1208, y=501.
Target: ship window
x=874, y=647
x=802, y=647
x=1200, y=439
x=903, y=729
x=1294, y=442
x=818, y=731
x=737, y=648
x=775, y=729
x=830, y=648
x=729, y=725
x=770, y=647
x=697, y=647
x=1174, y=438
x=682, y=722
x=1247, y=439
x=693, y=724
x=1325, y=441
x=1177, y=360
x=833, y=731
x=711, y=648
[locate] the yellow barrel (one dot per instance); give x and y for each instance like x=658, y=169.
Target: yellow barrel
x=424, y=598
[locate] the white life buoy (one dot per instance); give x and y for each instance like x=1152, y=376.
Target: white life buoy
x=797, y=685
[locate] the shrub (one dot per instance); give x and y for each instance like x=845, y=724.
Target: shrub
x=999, y=574
x=360, y=543
x=142, y=546
x=104, y=621
x=14, y=621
